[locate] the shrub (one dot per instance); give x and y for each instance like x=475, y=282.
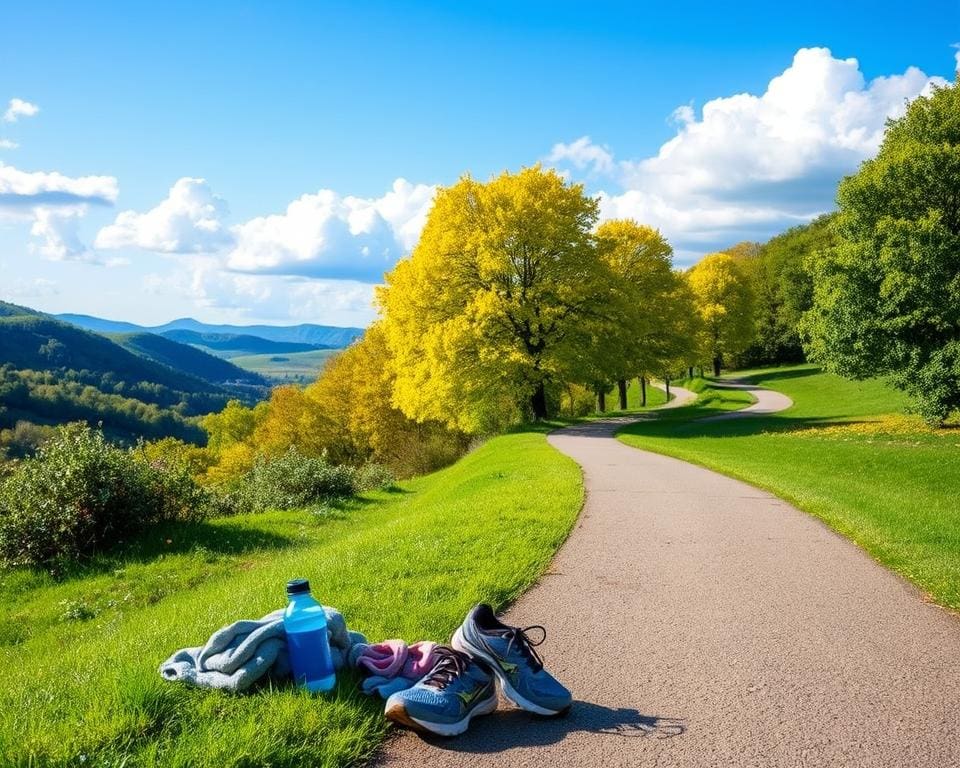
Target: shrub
x=293, y=480
x=79, y=494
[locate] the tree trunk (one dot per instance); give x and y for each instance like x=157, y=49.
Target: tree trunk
x=622, y=390
x=643, y=392
x=690, y=372
x=716, y=365
x=538, y=402
x=602, y=401
x=667, y=382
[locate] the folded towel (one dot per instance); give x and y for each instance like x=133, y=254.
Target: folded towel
x=238, y=655
x=392, y=665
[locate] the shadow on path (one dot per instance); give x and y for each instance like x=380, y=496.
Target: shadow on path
x=509, y=728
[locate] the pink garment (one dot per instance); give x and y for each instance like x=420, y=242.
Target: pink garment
x=393, y=658
x=384, y=659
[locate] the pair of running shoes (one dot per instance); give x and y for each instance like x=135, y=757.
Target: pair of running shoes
x=483, y=655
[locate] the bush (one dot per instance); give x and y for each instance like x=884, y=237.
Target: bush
x=79, y=494
x=293, y=480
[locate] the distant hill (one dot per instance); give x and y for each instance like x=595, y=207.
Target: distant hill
x=231, y=345
x=186, y=359
x=320, y=336
x=136, y=385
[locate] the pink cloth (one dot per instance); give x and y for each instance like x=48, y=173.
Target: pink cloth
x=394, y=658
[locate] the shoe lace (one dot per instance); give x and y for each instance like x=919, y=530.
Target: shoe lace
x=450, y=665
x=526, y=645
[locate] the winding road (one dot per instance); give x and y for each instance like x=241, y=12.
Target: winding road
x=702, y=622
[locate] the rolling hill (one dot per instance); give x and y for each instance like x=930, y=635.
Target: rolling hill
x=186, y=359
x=135, y=385
x=230, y=345
x=327, y=336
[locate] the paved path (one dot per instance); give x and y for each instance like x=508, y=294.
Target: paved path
x=767, y=401
x=702, y=622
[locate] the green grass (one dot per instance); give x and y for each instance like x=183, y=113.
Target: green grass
x=846, y=454
x=80, y=656
x=288, y=366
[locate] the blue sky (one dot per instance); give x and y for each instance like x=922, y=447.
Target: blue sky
x=240, y=162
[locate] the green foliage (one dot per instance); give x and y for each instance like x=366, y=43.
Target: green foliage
x=23, y=439
x=81, y=494
x=292, y=480
x=887, y=297
x=780, y=273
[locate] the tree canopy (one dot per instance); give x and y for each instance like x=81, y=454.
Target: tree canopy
x=496, y=301
x=724, y=301
x=887, y=296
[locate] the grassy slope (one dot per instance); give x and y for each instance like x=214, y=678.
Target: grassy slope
x=291, y=366
x=882, y=480
x=406, y=563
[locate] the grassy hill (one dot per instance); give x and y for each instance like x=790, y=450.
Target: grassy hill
x=847, y=453
x=186, y=359
x=81, y=653
x=52, y=372
x=230, y=345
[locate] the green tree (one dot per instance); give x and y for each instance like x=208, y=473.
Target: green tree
x=724, y=301
x=887, y=297
x=495, y=303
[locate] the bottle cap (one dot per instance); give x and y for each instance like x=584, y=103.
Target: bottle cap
x=297, y=586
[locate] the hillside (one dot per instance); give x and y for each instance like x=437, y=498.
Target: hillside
x=307, y=333
x=52, y=372
x=186, y=359
x=230, y=345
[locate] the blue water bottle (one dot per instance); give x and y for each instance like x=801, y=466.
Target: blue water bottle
x=307, y=643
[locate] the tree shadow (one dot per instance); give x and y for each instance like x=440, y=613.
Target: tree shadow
x=510, y=728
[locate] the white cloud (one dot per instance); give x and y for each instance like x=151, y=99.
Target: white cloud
x=18, y=108
x=57, y=229
x=583, y=154
x=54, y=204
x=26, y=189
x=189, y=220
x=247, y=298
x=8, y=144
x=751, y=165
x=326, y=235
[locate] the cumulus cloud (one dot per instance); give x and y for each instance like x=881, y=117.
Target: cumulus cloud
x=245, y=297
x=189, y=220
x=8, y=144
x=27, y=189
x=18, y=108
x=326, y=235
x=54, y=204
x=583, y=155
x=751, y=165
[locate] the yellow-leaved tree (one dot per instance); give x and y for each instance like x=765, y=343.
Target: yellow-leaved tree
x=724, y=301
x=496, y=302
x=649, y=324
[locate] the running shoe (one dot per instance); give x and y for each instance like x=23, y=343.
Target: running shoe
x=512, y=655
x=455, y=690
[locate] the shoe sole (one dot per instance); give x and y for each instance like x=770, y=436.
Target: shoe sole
x=397, y=712
x=460, y=643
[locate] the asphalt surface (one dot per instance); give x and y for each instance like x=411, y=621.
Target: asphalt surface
x=702, y=622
